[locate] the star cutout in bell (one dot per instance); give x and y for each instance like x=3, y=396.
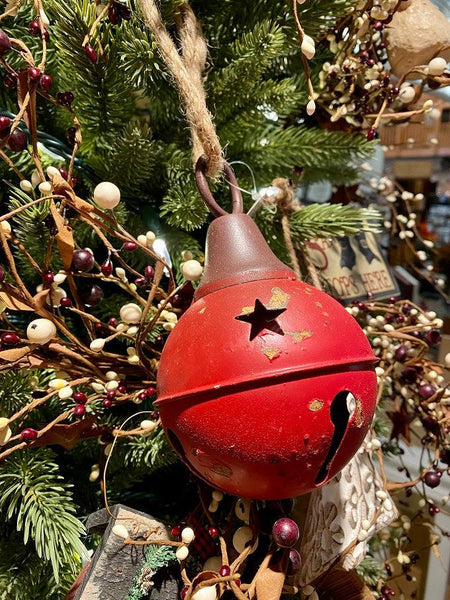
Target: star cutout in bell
x=262, y=318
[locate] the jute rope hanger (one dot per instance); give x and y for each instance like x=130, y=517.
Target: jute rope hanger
x=186, y=67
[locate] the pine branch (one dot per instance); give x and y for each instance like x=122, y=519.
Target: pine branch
x=151, y=452
x=33, y=494
x=332, y=220
x=16, y=388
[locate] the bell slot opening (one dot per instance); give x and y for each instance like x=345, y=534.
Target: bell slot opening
x=340, y=414
x=176, y=444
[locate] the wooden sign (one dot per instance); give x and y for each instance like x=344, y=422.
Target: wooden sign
x=351, y=267
x=115, y=567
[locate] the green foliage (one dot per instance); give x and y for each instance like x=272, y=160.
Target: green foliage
x=156, y=557
x=16, y=388
x=33, y=494
x=332, y=220
x=151, y=452
x=370, y=571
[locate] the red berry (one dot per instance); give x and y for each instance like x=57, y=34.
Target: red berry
x=149, y=272
x=285, y=532
x=175, y=531
x=79, y=410
x=91, y=54
x=28, y=435
x=432, y=479
x=433, y=337
x=5, y=43
x=140, y=281
x=71, y=135
x=80, y=397
x=371, y=134
x=125, y=12
x=107, y=403
x=5, y=124
x=224, y=571
x=295, y=562
x=10, y=339
x=17, y=141
x=237, y=582
x=154, y=415
x=184, y=592
x=214, y=532
x=45, y=82
x=113, y=322
x=34, y=28
x=111, y=394
x=65, y=302
x=114, y=14
x=401, y=353
x=48, y=277
x=129, y=246
x=142, y=395
x=150, y=391
x=426, y=391
x=10, y=81
x=73, y=181
x=33, y=73
x=122, y=389
x=92, y=295
x=68, y=97
x=82, y=260
x=107, y=268
x=63, y=172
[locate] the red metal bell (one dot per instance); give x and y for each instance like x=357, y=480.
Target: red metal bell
x=266, y=385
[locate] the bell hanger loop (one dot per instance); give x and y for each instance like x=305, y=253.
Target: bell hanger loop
x=205, y=192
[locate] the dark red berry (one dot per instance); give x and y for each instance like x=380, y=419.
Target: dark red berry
x=63, y=172
x=2, y=274
x=33, y=73
x=214, y=532
x=34, y=28
x=92, y=296
x=5, y=43
x=107, y=403
x=45, y=82
x=154, y=415
x=433, y=337
x=432, y=479
x=150, y=391
x=111, y=394
x=142, y=395
x=371, y=134
x=10, y=81
x=65, y=302
x=72, y=135
x=433, y=510
x=175, y=531
x=80, y=397
x=237, y=582
x=91, y=54
x=184, y=592
x=125, y=12
x=73, y=181
x=285, y=532
x=445, y=456
x=370, y=63
x=5, y=124
x=82, y=261
x=68, y=97
x=224, y=571
x=107, y=268
x=122, y=389
x=129, y=246
x=48, y=277
x=378, y=26
x=28, y=435
x=79, y=410
x=177, y=301
x=114, y=14
x=401, y=353
x=17, y=141
x=113, y=322
x=294, y=562
x=10, y=339
x=140, y=281
x=149, y=272
x=426, y=391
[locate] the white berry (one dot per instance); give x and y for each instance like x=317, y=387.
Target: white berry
x=120, y=530
x=41, y=331
x=192, y=270
x=182, y=553
x=437, y=66
x=187, y=535
x=97, y=345
x=131, y=313
x=107, y=195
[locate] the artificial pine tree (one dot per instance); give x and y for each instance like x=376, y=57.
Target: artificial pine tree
x=108, y=111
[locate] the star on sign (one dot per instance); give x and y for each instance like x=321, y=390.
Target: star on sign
x=262, y=318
